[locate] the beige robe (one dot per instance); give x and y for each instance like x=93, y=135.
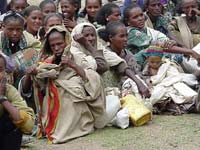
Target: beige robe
x=81, y=102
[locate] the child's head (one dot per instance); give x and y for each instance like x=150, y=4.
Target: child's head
x=18, y=5
x=47, y=6
x=109, y=12
x=154, y=55
x=13, y=26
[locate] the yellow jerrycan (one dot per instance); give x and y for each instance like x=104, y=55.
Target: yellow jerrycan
x=139, y=114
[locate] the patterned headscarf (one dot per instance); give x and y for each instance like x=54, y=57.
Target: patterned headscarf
x=154, y=50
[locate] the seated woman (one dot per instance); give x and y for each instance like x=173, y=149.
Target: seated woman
x=121, y=62
x=34, y=18
x=19, y=46
x=140, y=37
x=70, y=9
x=156, y=20
x=85, y=50
x=15, y=116
x=69, y=98
x=47, y=7
x=170, y=90
x=89, y=12
x=186, y=28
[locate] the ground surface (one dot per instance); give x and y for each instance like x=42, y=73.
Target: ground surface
x=162, y=133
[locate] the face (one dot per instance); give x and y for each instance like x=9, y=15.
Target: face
x=34, y=21
x=119, y=40
x=154, y=62
x=154, y=8
x=57, y=43
x=92, y=7
x=115, y=16
x=13, y=30
x=48, y=8
x=53, y=21
x=68, y=10
x=90, y=34
x=136, y=18
x=187, y=6
x=18, y=6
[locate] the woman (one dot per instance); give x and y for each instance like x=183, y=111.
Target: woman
x=85, y=50
x=69, y=98
x=70, y=9
x=49, y=21
x=47, y=6
x=19, y=46
x=34, y=17
x=15, y=116
x=109, y=12
x=89, y=12
x=121, y=62
x=140, y=37
x=186, y=28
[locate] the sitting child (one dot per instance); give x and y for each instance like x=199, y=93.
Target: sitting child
x=170, y=90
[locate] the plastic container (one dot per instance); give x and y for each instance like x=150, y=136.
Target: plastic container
x=139, y=114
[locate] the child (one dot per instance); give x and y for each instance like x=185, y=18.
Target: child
x=169, y=84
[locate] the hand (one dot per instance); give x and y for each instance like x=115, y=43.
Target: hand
x=3, y=82
x=169, y=44
x=193, y=12
x=31, y=71
x=144, y=91
x=80, y=39
x=67, y=61
x=69, y=23
x=196, y=56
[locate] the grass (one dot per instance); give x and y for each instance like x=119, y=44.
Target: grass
x=163, y=132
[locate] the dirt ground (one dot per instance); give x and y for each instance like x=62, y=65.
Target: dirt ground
x=162, y=133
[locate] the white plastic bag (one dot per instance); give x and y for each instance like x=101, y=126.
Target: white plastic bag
x=121, y=119
x=112, y=107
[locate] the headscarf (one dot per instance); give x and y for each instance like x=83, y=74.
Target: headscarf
x=78, y=29
x=46, y=48
x=154, y=50
x=82, y=56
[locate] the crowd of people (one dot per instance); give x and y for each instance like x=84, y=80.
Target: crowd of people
x=61, y=59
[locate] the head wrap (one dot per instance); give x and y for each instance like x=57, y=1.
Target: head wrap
x=154, y=50
x=59, y=28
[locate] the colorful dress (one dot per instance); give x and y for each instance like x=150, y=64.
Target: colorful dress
x=26, y=55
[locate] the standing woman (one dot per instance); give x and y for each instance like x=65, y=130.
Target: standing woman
x=34, y=17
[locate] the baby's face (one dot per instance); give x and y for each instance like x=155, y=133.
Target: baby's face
x=154, y=62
